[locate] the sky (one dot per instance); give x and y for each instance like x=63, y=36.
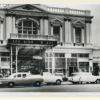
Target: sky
x=94, y=7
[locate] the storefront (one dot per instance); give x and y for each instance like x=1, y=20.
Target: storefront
x=68, y=61
x=96, y=61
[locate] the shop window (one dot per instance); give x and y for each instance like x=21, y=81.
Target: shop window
x=81, y=55
x=74, y=55
x=78, y=35
x=59, y=55
x=56, y=54
x=86, y=55
x=72, y=62
x=4, y=59
x=84, y=64
x=27, y=27
x=5, y=54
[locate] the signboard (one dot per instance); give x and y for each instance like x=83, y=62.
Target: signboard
x=96, y=55
x=40, y=42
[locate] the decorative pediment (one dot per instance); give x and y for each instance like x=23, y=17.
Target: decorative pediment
x=27, y=7
x=78, y=24
x=56, y=21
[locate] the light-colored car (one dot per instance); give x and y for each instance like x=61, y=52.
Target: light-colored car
x=83, y=77
x=59, y=74
x=50, y=78
x=21, y=79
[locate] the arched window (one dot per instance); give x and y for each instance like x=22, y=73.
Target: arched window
x=27, y=27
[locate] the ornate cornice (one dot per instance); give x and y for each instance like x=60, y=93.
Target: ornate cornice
x=88, y=21
x=67, y=19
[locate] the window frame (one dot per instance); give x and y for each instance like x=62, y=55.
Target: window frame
x=32, y=29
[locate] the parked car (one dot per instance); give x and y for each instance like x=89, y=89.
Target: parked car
x=50, y=78
x=21, y=79
x=83, y=77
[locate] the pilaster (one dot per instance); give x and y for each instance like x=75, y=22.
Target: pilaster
x=1, y=33
x=41, y=26
x=46, y=26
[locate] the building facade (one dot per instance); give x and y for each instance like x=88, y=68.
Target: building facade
x=49, y=38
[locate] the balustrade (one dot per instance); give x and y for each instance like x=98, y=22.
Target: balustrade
x=35, y=37
x=67, y=10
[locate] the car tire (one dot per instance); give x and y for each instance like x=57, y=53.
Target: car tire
x=58, y=82
x=37, y=84
x=97, y=81
x=11, y=84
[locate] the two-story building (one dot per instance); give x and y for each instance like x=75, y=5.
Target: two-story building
x=48, y=38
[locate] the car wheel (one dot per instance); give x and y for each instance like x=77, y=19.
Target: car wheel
x=58, y=82
x=37, y=83
x=97, y=81
x=11, y=84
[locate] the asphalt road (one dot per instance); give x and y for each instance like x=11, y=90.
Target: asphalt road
x=64, y=87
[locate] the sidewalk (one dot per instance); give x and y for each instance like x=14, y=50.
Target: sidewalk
x=66, y=82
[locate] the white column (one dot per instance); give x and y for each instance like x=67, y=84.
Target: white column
x=70, y=32
x=90, y=66
x=11, y=58
x=82, y=35
x=66, y=31
x=66, y=68
x=74, y=35
x=8, y=26
x=48, y=62
x=41, y=26
x=1, y=30
x=13, y=24
x=61, y=34
x=45, y=26
x=87, y=32
x=51, y=29
x=16, y=58
x=53, y=65
x=38, y=30
x=90, y=33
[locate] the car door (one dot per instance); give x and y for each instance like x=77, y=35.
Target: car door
x=26, y=80
x=18, y=79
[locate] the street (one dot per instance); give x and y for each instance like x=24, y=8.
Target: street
x=64, y=87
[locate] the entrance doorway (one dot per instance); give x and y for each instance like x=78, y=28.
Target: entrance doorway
x=72, y=70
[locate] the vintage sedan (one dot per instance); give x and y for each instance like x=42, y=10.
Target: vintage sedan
x=83, y=77
x=21, y=79
x=50, y=78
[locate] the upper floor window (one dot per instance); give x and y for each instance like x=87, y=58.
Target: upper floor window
x=56, y=30
x=27, y=27
x=78, y=35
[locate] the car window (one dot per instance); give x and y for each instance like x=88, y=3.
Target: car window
x=23, y=75
x=19, y=75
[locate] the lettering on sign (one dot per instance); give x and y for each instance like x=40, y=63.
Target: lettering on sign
x=17, y=41
x=96, y=57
